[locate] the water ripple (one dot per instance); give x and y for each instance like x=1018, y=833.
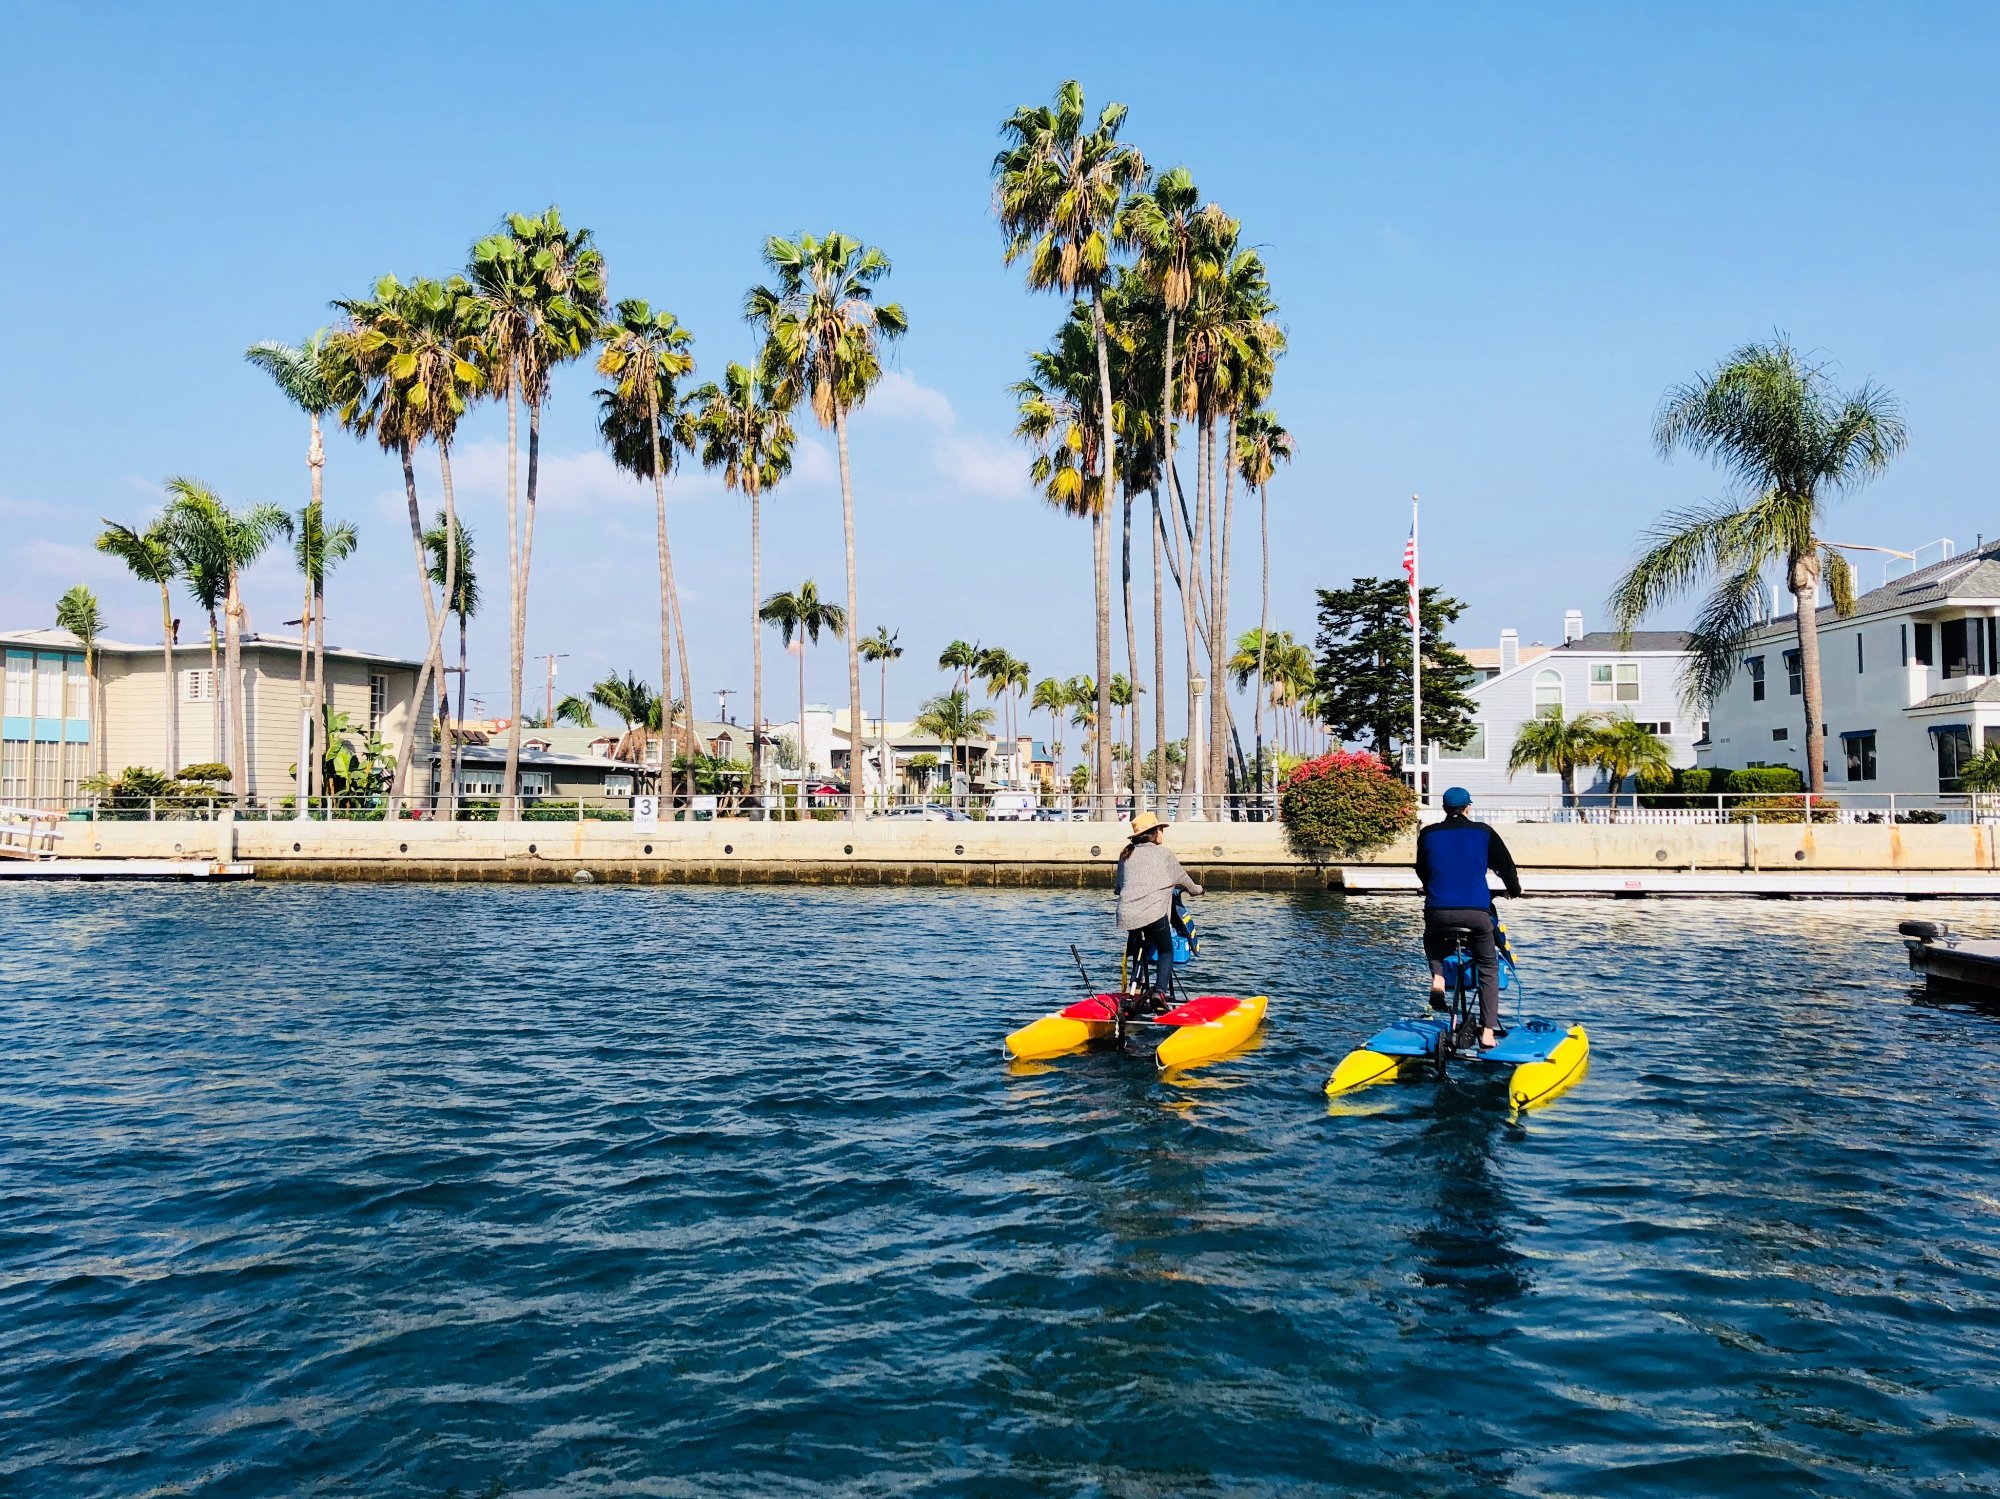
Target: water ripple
x=401, y=1190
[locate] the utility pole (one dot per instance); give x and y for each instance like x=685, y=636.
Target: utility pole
x=549, y=701
x=722, y=697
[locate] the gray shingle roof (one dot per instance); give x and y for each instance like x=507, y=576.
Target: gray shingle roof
x=1641, y=640
x=1988, y=692
x=1969, y=575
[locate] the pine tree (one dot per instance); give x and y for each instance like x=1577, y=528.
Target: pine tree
x=1364, y=665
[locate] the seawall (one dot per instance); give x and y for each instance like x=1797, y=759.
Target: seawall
x=1223, y=856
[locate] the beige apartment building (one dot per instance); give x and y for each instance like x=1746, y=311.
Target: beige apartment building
x=52, y=735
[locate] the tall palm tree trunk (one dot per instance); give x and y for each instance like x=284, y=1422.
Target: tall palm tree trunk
x=1803, y=574
x=805, y=760
x=458, y=741
x=311, y=737
x=217, y=693
x=173, y=704
x=1108, y=460
x=1131, y=659
x=319, y=677
x=399, y=784
x=527, y=557
x=882, y=731
x=448, y=744
x=239, y=756
x=1159, y=664
x=309, y=772
x=853, y=630
x=516, y=605
x=757, y=637
x=1263, y=615
x=1218, y=614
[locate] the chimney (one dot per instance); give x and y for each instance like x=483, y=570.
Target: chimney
x=1510, y=649
x=1572, y=625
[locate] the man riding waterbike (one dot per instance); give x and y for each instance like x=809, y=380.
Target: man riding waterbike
x=1453, y=857
x=1148, y=875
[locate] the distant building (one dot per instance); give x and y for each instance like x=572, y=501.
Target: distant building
x=1910, y=683
x=1489, y=661
x=52, y=736
x=1590, y=671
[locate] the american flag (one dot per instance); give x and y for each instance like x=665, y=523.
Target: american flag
x=1410, y=572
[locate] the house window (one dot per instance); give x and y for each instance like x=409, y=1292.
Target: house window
x=1860, y=662
x=1548, y=693
x=1702, y=738
x=1473, y=748
x=537, y=782
x=480, y=781
x=20, y=684
x=1755, y=666
x=618, y=785
x=1615, y=682
x=1955, y=657
x=1664, y=727
x=653, y=749
x=198, y=685
x=78, y=690
x=1923, y=645
x=1781, y=735
x=1795, y=673
x=378, y=700
x=1860, y=756
x=1954, y=748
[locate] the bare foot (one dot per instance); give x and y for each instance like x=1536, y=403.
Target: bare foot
x=1487, y=1040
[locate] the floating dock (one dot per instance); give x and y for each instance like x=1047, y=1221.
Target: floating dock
x=123, y=869
x=1769, y=884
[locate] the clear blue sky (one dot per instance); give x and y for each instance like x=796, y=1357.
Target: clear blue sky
x=1497, y=234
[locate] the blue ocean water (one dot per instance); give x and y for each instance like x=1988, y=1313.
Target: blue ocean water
x=396, y=1190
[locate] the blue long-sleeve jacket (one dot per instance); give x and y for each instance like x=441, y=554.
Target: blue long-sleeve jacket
x=1452, y=859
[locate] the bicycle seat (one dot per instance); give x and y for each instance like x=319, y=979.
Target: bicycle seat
x=1455, y=933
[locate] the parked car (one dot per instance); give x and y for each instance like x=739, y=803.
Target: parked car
x=923, y=814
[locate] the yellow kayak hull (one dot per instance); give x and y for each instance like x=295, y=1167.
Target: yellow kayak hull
x=1361, y=1069
x=1191, y=1045
x=1056, y=1036
x=1537, y=1083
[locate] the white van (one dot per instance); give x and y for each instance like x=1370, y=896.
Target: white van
x=1017, y=805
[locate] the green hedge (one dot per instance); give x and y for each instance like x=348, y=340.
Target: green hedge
x=1765, y=778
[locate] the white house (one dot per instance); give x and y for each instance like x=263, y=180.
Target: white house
x=1910, y=681
x=1590, y=671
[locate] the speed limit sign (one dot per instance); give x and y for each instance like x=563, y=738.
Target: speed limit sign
x=645, y=814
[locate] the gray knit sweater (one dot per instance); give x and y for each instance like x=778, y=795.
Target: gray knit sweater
x=1146, y=881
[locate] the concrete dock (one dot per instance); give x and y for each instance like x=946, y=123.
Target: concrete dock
x=1748, y=859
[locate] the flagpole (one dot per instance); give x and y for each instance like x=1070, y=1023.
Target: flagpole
x=1416, y=664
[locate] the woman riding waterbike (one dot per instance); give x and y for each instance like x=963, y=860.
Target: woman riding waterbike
x=1148, y=875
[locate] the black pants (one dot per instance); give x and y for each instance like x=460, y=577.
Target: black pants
x=1156, y=941
x=1485, y=952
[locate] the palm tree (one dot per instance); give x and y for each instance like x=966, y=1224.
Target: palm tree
x=1004, y=674
x=641, y=419
x=1552, y=743
x=406, y=364
x=744, y=432
x=221, y=541
x=1081, y=697
x=805, y=614
x=576, y=710
x=316, y=547
x=1792, y=442
x=1058, y=188
x=881, y=648
x=630, y=698
x=823, y=336
x=1051, y=696
x=947, y=717
x=1125, y=696
x=1626, y=748
x=464, y=603
x=208, y=584
x=305, y=375
x=1261, y=445
x=541, y=289
x=959, y=658
x=77, y=611
x=149, y=557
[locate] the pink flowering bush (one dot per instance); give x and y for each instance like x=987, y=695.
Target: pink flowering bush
x=1343, y=804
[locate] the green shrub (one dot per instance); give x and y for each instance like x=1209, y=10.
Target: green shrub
x=1778, y=808
x=1343, y=804
x=826, y=814
x=1920, y=817
x=1765, y=778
